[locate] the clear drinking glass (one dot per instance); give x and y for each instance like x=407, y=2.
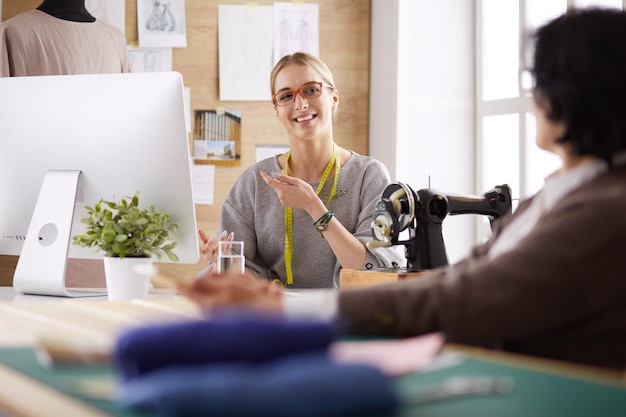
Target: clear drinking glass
x=230, y=257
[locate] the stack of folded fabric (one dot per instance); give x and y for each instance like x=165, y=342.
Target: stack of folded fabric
x=244, y=365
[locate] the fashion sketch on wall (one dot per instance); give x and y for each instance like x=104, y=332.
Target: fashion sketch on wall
x=245, y=52
x=161, y=23
x=296, y=28
x=150, y=59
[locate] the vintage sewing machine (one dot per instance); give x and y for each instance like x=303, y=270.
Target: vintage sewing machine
x=422, y=213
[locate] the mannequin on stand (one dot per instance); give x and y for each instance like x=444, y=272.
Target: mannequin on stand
x=60, y=37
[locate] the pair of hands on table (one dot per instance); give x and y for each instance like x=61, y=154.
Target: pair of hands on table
x=214, y=291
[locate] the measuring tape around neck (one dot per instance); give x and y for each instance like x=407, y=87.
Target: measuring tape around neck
x=335, y=160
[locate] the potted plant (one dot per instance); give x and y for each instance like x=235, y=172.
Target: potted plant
x=130, y=237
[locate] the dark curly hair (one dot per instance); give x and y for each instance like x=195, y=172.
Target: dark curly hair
x=580, y=78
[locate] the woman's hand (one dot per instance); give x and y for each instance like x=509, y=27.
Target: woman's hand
x=215, y=291
x=295, y=193
x=208, y=245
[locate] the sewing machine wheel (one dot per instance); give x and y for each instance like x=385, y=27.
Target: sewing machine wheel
x=403, y=200
x=381, y=227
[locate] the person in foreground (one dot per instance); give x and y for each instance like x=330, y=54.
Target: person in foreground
x=551, y=281
x=305, y=214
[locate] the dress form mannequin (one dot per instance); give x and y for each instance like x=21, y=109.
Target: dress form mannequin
x=73, y=10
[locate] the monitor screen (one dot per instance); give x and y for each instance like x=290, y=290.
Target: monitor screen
x=124, y=133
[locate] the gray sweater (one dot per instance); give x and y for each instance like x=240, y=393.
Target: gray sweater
x=253, y=212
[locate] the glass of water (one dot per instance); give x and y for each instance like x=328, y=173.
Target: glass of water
x=230, y=257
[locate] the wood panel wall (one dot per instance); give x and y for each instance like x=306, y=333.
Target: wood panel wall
x=344, y=46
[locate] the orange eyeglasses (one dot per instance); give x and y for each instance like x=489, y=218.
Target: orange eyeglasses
x=307, y=91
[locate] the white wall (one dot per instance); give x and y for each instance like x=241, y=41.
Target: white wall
x=384, y=83
x=422, y=117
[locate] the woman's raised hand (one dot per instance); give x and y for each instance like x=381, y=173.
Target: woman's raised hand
x=291, y=191
x=208, y=244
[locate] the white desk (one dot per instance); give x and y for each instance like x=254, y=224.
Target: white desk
x=9, y=294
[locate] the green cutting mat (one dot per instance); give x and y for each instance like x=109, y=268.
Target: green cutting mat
x=536, y=394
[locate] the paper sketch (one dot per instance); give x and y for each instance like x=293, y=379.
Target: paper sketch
x=150, y=59
x=203, y=178
x=296, y=29
x=161, y=23
x=110, y=11
x=245, y=52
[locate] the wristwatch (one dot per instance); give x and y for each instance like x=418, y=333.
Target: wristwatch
x=321, y=224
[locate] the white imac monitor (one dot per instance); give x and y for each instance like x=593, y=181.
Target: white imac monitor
x=68, y=141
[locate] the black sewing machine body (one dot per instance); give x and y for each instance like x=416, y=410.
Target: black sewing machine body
x=422, y=213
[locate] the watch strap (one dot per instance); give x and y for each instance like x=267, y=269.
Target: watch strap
x=321, y=224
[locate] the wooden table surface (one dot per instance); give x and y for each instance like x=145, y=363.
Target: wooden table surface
x=354, y=278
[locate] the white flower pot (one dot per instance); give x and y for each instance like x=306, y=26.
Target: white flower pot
x=127, y=278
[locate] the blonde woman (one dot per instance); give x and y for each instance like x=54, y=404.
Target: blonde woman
x=305, y=214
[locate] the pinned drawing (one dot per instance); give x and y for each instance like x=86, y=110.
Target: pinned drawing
x=296, y=29
x=161, y=23
x=161, y=18
x=245, y=52
x=150, y=59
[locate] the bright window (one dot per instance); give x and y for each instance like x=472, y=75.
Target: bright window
x=499, y=143
x=500, y=49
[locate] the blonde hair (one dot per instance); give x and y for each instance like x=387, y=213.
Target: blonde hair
x=302, y=58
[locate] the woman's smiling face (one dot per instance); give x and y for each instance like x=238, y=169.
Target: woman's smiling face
x=305, y=118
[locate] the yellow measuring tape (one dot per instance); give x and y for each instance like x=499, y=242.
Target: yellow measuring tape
x=335, y=160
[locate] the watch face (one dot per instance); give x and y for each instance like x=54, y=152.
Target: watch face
x=322, y=223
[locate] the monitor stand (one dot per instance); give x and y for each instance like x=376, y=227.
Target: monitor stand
x=42, y=264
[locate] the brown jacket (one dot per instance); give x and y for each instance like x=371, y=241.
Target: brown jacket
x=561, y=293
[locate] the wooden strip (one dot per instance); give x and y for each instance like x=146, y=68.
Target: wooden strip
x=354, y=278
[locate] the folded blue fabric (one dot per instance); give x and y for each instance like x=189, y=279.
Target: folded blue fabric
x=232, y=338
x=304, y=385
